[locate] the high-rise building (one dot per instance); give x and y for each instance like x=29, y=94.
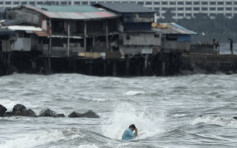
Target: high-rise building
x=179, y=8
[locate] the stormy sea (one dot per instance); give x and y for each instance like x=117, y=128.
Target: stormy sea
x=181, y=111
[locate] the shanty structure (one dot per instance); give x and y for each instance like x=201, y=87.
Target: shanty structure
x=136, y=36
x=173, y=36
x=7, y=38
x=103, y=39
x=25, y=40
x=69, y=31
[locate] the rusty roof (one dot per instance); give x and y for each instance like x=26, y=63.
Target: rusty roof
x=41, y=33
x=172, y=28
x=73, y=12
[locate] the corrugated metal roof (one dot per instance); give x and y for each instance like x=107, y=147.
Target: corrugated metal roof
x=125, y=7
x=173, y=28
x=76, y=13
x=69, y=8
x=11, y=22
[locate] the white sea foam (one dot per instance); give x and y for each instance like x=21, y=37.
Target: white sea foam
x=148, y=101
x=179, y=115
x=133, y=93
x=125, y=114
x=9, y=104
x=88, y=146
x=99, y=99
x=37, y=139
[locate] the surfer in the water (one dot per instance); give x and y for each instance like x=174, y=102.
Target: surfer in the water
x=128, y=133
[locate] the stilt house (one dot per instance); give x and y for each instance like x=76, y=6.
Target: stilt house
x=136, y=36
x=69, y=31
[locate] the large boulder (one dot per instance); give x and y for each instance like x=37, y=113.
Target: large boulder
x=47, y=113
x=8, y=114
x=2, y=110
x=29, y=113
x=74, y=115
x=88, y=114
x=50, y=113
x=19, y=110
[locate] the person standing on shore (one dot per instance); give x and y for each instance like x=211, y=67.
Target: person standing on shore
x=216, y=46
x=231, y=46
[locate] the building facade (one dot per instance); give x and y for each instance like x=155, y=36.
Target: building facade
x=103, y=39
x=180, y=8
x=136, y=36
x=65, y=31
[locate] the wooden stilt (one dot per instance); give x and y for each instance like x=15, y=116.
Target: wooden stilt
x=68, y=39
x=50, y=47
x=85, y=34
x=163, y=68
x=127, y=66
x=114, y=69
x=105, y=68
x=107, y=35
x=91, y=69
x=145, y=64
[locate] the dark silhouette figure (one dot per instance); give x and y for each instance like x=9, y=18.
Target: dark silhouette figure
x=216, y=45
x=213, y=43
x=231, y=46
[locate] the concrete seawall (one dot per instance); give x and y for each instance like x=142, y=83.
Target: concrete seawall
x=208, y=64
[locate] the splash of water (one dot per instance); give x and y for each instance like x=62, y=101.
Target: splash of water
x=9, y=104
x=148, y=124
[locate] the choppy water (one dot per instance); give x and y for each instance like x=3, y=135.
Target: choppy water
x=184, y=111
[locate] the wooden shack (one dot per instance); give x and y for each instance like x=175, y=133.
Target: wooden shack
x=173, y=37
x=136, y=36
x=104, y=39
x=67, y=31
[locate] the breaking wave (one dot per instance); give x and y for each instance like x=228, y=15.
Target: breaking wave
x=148, y=124
x=215, y=120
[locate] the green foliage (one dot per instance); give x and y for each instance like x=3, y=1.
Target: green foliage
x=220, y=28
